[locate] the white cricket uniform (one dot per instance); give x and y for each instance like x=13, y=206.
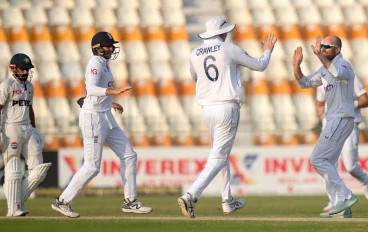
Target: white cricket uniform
x=18, y=134
x=349, y=154
x=98, y=126
x=215, y=68
x=338, y=83
x=19, y=137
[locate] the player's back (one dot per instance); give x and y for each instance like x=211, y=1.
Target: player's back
x=218, y=77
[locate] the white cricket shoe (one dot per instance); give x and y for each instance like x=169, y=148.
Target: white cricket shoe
x=17, y=213
x=134, y=206
x=187, y=204
x=328, y=207
x=64, y=209
x=229, y=207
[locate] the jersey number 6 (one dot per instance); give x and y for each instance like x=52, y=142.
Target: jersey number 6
x=206, y=68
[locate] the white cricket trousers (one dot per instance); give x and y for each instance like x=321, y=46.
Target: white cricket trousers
x=97, y=129
x=350, y=158
x=222, y=122
x=327, y=152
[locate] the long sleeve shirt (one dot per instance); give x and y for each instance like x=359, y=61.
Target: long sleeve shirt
x=339, y=87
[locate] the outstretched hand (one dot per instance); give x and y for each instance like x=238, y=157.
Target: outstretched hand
x=298, y=56
x=269, y=42
x=116, y=91
x=317, y=48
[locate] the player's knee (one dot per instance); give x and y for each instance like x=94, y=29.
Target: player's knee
x=91, y=169
x=129, y=157
x=216, y=162
x=315, y=162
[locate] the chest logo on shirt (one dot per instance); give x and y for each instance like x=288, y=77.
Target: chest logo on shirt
x=22, y=103
x=328, y=88
x=93, y=71
x=17, y=91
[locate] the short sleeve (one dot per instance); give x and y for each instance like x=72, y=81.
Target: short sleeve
x=4, y=92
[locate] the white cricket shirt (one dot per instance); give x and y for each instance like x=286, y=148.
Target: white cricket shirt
x=98, y=79
x=339, y=87
x=358, y=90
x=16, y=99
x=215, y=68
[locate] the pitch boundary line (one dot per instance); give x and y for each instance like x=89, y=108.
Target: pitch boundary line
x=182, y=218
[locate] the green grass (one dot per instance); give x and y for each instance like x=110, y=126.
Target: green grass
x=303, y=211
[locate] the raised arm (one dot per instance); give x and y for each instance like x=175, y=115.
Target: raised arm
x=242, y=58
x=311, y=81
x=340, y=70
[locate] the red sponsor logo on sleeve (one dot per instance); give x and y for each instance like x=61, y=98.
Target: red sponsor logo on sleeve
x=93, y=71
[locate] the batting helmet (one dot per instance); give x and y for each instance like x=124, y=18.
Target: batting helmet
x=102, y=39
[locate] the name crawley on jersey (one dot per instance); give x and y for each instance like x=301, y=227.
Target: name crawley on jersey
x=203, y=51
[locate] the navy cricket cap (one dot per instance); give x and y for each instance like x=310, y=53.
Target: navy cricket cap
x=22, y=61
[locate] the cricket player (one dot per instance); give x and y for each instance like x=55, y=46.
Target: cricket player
x=20, y=136
x=338, y=76
x=349, y=154
x=98, y=126
x=214, y=66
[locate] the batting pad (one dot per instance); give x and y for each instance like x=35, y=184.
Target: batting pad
x=33, y=179
x=12, y=185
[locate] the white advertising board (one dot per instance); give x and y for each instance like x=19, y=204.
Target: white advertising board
x=254, y=170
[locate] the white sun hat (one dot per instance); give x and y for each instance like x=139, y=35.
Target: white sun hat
x=216, y=26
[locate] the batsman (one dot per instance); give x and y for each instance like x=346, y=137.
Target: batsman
x=20, y=136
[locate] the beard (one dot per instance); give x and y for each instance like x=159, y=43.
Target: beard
x=21, y=77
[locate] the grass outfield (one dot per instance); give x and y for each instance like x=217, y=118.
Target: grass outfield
x=260, y=214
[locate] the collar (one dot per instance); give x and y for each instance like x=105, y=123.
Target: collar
x=17, y=80
x=213, y=40
x=337, y=58
x=102, y=59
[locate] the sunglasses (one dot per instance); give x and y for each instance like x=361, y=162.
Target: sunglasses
x=327, y=46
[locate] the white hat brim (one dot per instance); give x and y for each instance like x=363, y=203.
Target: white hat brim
x=207, y=35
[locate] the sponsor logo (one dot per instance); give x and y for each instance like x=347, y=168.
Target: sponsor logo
x=93, y=71
x=328, y=88
x=343, y=66
x=323, y=74
x=95, y=139
x=14, y=145
x=110, y=83
x=17, y=91
x=22, y=103
x=239, y=176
